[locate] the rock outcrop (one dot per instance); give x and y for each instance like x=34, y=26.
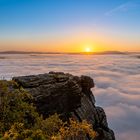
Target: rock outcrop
x=68, y=95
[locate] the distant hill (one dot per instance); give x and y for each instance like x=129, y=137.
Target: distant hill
x=24, y=52
x=108, y=52
x=82, y=53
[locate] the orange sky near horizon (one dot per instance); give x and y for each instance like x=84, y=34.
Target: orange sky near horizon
x=77, y=43
x=66, y=47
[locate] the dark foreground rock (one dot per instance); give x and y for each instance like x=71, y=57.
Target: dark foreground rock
x=68, y=95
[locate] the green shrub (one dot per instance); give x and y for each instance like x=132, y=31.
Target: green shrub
x=19, y=119
x=14, y=108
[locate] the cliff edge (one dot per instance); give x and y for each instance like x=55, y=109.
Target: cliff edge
x=68, y=95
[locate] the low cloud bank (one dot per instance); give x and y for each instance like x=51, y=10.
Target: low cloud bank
x=117, y=79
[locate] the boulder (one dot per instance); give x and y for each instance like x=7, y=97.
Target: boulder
x=68, y=95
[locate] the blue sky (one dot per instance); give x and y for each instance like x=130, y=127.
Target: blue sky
x=46, y=20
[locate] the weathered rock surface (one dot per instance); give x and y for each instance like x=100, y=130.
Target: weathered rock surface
x=68, y=95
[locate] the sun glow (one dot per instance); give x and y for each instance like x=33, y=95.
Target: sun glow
x=88, y=49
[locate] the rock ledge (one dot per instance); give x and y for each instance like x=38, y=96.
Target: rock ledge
x=68, y=95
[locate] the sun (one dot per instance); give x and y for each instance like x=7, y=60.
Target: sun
x=87, y=49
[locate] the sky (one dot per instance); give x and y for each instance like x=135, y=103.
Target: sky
x=69, y=25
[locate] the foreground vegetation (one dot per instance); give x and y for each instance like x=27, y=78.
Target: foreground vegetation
x=19, y=119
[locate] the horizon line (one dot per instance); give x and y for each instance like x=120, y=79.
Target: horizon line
x=82, y=52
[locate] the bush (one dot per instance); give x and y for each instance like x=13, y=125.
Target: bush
x=19, y=119
x=15, y=106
